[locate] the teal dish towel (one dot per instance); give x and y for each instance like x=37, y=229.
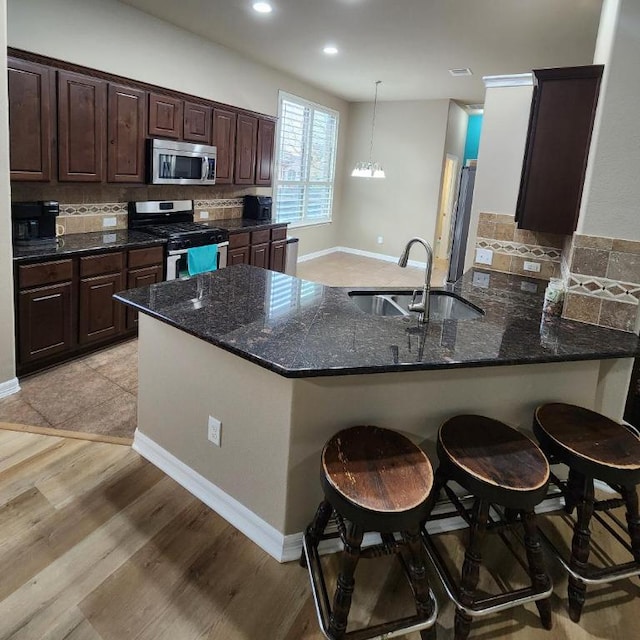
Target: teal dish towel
x=202, y=259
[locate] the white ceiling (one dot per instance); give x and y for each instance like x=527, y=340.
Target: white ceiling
x=408, y=44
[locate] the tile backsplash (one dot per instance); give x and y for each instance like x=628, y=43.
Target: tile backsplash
x=512, y=247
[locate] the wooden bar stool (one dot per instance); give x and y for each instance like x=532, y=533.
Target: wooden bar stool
x=507, y=475
x=593, y=447
x=373, y=480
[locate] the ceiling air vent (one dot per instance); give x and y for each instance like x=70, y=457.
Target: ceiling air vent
x=475, y=107
x=461, y=72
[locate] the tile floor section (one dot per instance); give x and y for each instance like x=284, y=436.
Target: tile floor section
x=97, y=394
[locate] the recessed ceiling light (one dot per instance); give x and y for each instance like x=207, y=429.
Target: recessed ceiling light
x=262, y=7
x=330, y=50
x=461, y=72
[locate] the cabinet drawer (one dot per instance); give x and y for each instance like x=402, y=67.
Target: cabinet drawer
x=105, y=263
x=238, y=240
x=34, y=275
x=147, y=257
x=258, y=237
x=279, y=233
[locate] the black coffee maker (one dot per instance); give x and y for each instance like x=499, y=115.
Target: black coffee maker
x=34, y=222
x=257, y=207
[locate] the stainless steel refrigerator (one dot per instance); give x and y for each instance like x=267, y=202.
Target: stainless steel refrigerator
x=461, y=224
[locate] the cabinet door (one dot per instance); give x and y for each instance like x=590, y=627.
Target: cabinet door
x=278, y=257
x=197, y=123
x=127, y=127
x=141, y=278
x=264, y=153
x=165, y=116
x=224, y=138
x=82, y=109
x=45, y=321
x=562, y=115
x=238, y=256
x=246, y=141
x=260, y=255
x=100, y=314
x=29, y=121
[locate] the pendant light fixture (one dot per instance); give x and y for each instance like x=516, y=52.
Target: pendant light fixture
x=370, y=169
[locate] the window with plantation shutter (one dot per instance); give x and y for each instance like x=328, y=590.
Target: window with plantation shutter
x=306, y=157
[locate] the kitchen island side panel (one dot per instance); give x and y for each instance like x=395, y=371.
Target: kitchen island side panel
x=183, y=381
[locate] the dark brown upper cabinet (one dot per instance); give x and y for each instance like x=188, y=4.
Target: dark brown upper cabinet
x=246, y=143
x=264, y=152
x=562, y=114
x=224, y=139
x=82, y=109
x=127, y=127
x=29, y=120
x=165, y=116
x=197, y=123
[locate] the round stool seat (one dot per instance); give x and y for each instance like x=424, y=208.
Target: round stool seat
x=376, y=478
x=493, y=461
x=589, y=442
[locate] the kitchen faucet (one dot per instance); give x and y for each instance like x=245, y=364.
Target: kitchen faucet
x=423, y=306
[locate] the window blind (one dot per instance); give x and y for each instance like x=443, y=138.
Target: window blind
x=306, y=153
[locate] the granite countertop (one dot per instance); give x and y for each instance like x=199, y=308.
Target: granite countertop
x=242, y=224
x=78, y=243
x=299, y=329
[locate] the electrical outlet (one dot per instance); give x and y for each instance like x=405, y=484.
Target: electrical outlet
x=204, y=215
x=214, y=430
x=111, y=221
x=379, y=239
x=484, y=256
x=482, y=280
x=532, y=266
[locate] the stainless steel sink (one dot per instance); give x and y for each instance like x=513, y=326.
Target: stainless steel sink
x=443, y=305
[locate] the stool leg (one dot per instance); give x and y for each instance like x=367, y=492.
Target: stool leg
x=573, y=491
x=537, y=571
x=471, y=567
x=418, y=577
x=580, y=548
x=630, y=495
x=346, y=582
x=315, y=530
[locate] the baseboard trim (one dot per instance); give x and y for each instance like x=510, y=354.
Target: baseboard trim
x=9, y=387
x=359, y=252
x=255, y=528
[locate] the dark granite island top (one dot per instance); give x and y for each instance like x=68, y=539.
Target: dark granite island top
x=301, y=329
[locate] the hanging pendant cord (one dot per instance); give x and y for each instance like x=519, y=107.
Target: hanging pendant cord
x=373, y=123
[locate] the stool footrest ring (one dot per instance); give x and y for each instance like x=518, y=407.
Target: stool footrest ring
x=482, y=606
x=376, y=632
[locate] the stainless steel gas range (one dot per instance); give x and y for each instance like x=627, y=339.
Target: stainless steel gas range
x=173, y=220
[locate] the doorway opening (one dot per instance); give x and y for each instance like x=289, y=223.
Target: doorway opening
x=444, y=223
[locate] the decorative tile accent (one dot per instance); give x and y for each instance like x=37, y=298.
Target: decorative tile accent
x=513, y=248
x=219, y=203
x=604, y=288
x=93, y=208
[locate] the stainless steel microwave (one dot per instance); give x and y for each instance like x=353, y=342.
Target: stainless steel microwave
x=181, y=163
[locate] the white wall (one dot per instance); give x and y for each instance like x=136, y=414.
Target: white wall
x=7, y=358
x=612, y=190
x=409, y=142
x=456, y=131
x=500, y=155
x=116, y=38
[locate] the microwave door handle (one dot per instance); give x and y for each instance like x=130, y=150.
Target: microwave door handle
x=205, y=169
x=173, y=166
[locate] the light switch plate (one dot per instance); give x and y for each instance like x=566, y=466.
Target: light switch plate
x=484, y=256
x=204, y=215
x=111, y=221
x=531, y=266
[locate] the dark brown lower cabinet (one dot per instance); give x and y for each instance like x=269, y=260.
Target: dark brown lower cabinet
x=260, y=255
x=45, y=321
x=141, y=278
x=100, y=314
x=278, y=257
x=241, y=255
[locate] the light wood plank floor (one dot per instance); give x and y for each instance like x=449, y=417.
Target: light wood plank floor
x=97, y=544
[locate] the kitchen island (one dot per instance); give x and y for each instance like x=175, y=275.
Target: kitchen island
x=284, y=363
